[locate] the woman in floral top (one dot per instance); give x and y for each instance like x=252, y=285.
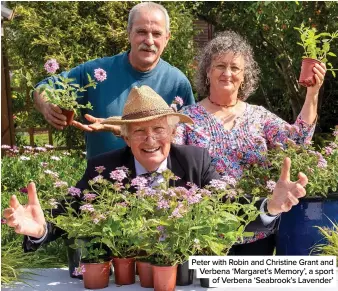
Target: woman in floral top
x=236, y=133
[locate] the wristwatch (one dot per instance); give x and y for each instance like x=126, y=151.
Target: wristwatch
x=265, y=208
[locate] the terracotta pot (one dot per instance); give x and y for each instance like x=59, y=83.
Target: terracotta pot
x=124, y=271
x=164, y=278
x=145, y=273
x=69, y=115
x=307, y=76
x=96, y=275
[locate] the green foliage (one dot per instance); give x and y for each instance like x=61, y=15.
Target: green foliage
x=316, y=46
x=330, y=235
x=321, y=168
x=16, y=173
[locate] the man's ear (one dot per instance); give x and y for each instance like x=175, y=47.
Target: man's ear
x=126, y=139
x=167, y=38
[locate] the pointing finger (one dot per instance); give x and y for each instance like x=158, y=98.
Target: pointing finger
x=285, y=172
x=32, y=195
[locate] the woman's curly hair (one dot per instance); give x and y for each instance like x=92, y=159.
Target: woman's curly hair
x=224, y=42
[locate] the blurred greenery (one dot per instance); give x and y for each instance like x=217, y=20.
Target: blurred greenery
x=16, y=173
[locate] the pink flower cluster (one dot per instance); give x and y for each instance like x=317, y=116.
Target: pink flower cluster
x=51, y=66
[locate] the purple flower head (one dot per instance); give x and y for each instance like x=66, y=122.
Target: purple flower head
x=87, y=207
x=100, y=169
x=40, y=149
x=23, y=190
x=51, y=66
x=335, y=133
x=218, y=184
x=3, y=221
x=178, y=100
x=160, y=228
x=49, y=146
x=333, y=145
x=229, y=180
x=44, y=164
x=89, y=196
x=270, y=185
x=328, y=151
x=59, y=184
x=162, y=204
x=24, y=158
x=49, y=172
x=74, y=191
x=100, y=74
x=162, y=237
x=5, y=146
x=79, y=271
x=194, y=199
x=322, y=163
x=139, y=182
x=118, y=175
x=29, y=148
x=123, y=168
x=55, y=158
x=98, y=179
x=205, y=192
x=231, y=193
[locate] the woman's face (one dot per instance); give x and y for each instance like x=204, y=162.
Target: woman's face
x=226, y=73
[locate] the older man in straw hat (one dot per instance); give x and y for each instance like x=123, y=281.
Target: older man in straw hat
x=148, y=125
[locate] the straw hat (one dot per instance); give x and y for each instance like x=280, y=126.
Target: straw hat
x=144, y=104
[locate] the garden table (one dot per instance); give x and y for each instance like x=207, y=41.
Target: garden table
x=55, y=279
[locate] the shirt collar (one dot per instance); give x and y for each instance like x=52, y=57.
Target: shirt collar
x=140, y=170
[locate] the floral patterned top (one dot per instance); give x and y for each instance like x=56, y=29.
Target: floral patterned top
x=253, y=133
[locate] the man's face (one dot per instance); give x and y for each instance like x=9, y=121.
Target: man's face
x=148, y=38
x=150, y=142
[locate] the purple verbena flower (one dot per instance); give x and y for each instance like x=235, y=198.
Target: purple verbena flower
x=333, y=145
x=100, y=169
x=44, y=164
x=98, y=179
x=229, y=180
x=100, y=74
x=328, y=151
x=160, y=228
x=322, y=163
x=40, y=149
x=178, y=100
x=335, y=133
x=162, y=204
x=218, y=184
x=59, y=184
x=52, y=202
x=24, y=158
x=55, y=158
x=49, y=172
x=51, y=66
x=79, y=271
x=118, y=175
x=87, y=207
x=29, y=148
x=74, y=191
x=49, y=146
x=89, y=196
x=5, y=146
x=270, y=185
x=139, y=182
x=3, y=221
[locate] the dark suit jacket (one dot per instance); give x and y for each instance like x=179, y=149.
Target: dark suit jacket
x=190, y=163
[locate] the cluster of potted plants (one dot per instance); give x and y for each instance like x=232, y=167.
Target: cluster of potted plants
x=298, y=232
x=157, y=229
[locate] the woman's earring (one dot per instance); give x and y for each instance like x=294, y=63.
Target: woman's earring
x=242, y=86
x=207, y=81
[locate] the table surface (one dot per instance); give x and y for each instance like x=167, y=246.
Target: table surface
x=55, y=279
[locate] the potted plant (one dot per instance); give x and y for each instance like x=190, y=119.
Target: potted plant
x=82, y=218
x=63, y=92
x=316, y=49
x=297, y=234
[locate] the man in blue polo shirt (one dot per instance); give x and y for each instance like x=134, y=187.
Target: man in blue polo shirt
x=148, y=33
